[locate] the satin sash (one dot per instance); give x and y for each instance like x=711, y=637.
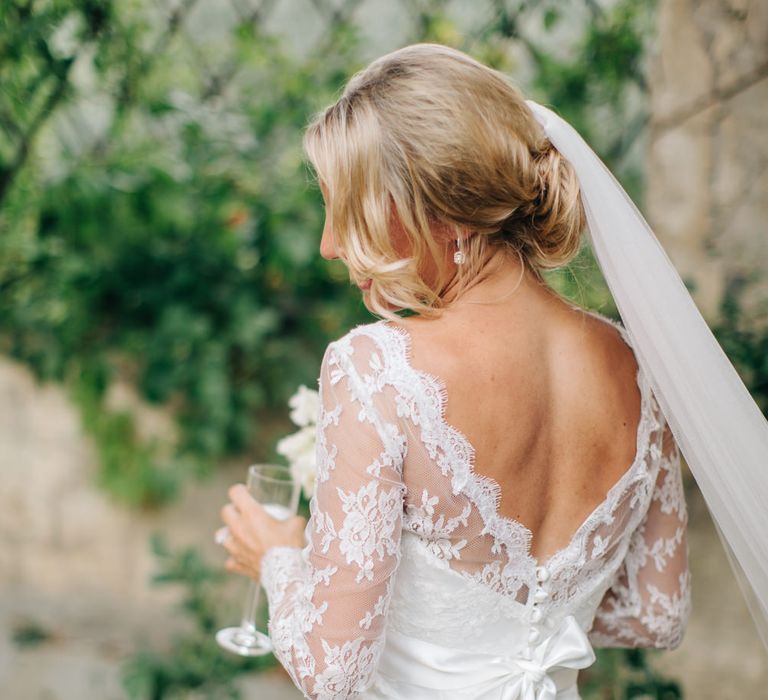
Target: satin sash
x=539, y=672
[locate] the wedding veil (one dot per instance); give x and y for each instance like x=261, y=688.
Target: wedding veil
x=718, y=426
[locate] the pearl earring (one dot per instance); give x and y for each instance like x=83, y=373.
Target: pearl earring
x=458, y=256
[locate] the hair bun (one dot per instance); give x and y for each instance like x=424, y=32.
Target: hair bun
x=550, y=226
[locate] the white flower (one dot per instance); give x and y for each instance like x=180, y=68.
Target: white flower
x=305, y=404
x=299, y=449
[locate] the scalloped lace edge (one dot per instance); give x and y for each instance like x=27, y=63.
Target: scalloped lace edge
x=485, y=491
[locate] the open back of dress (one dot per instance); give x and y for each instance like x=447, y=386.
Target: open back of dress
x=412, y=584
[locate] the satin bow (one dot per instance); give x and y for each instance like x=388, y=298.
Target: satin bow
x=530, y=677
x=537, y=673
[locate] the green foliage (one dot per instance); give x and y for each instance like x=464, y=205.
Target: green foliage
x=582, y=283
x=182, y=253
x=603, y=75
x=623, y=674
x=194, y=660
x=29, y=634
x=179, y=248
x=131, y=468
x=744, y=341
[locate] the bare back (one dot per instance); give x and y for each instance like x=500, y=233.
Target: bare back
x=550, y=404
x=493, y=479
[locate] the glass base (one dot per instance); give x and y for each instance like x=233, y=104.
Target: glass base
x=245, y=643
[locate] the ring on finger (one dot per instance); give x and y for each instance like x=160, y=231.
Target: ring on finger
x=222, y=535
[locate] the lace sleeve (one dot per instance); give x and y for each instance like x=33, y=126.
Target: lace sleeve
x=328, y=602
x=649, y=602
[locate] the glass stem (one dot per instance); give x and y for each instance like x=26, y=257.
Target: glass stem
x=251, y=609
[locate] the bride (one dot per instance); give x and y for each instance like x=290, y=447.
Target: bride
x=499, y=486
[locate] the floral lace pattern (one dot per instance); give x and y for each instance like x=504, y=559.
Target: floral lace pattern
x=389, y=464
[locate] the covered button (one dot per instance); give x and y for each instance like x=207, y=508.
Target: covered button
x=541, y=573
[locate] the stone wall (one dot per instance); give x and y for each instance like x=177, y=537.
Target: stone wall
x=707, y=193
x=78, y=566
x=707, y=199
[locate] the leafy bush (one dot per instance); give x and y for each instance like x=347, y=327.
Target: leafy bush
x=177, y=246
x=194, y=661
x=182, y=253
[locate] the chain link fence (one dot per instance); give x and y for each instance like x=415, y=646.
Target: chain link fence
x=84, y=65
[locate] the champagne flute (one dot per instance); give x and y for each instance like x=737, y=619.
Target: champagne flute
x=273, y=486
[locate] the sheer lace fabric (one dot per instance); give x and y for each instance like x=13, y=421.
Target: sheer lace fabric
x=405, y=538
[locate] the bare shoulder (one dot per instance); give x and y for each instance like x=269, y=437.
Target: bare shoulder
x=595, y=363
x=608, y=343
x=571, y=345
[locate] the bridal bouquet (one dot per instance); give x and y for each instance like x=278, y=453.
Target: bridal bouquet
x=299, y=447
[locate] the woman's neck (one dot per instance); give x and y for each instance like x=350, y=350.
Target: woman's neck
x=504, y=282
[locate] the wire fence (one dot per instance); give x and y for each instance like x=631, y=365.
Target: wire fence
x=85, y=65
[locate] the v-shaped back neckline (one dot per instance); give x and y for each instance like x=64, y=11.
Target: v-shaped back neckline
x=504, y=528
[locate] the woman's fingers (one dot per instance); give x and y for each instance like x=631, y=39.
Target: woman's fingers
x=238, y=534
x=231, y=517
x=233, y=566
x=243, y=500
x=231, y=545
x=252, y=531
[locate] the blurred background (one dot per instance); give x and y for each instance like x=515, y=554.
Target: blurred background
x=162, y=295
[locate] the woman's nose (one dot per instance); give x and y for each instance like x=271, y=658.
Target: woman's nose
x=327, y=245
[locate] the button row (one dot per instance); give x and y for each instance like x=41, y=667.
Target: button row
x=539, y=596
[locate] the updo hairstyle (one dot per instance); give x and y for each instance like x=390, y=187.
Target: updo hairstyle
x=446, y=145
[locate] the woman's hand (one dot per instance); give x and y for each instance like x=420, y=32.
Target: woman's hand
x=252, y=531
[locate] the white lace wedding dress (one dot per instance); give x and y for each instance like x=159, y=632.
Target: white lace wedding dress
x=412, y=586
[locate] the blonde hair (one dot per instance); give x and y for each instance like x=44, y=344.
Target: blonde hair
x=430, y=137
